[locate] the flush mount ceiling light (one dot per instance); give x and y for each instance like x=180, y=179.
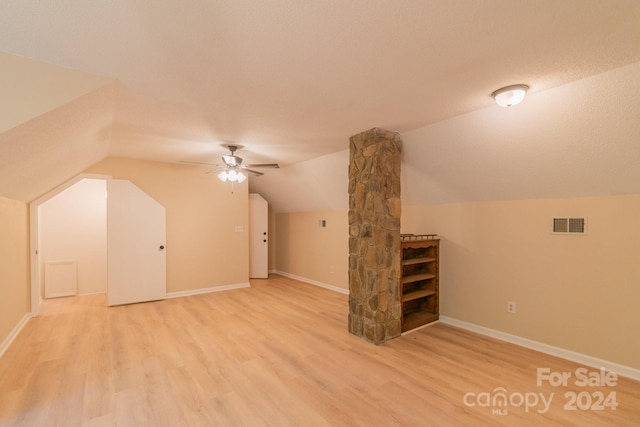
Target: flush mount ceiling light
x=510, y=95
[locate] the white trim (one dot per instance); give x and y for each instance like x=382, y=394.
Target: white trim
x=14, y=333
x=421, y=327
x=312, y=282
x=573, y=356
x=200, y=291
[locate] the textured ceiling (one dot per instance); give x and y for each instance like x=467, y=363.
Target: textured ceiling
x=291, y=80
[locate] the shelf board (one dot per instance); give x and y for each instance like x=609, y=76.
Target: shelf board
x=422, y=260
x=417, y=277
x=417, y=318
x=420, y=293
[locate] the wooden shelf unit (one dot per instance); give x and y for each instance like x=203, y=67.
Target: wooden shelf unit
x=420, y=280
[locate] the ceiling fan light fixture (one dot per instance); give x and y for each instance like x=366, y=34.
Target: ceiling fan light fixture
x=232, y=175
x=510, y=95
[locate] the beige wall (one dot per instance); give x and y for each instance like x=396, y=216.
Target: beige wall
x=14, y=265
x=203, y=247
x=73, y=226
x=305, y=249
x=579, y=293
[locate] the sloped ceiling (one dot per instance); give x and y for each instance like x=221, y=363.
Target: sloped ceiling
x=31, y=88
x=52, y=148
x=581, y=139
x=291, y=81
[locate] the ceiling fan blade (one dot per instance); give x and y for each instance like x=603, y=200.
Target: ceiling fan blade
x=256, y=173
x=264, y=165
x=198, y=163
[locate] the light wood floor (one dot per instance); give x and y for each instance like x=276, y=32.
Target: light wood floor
x=275, y=354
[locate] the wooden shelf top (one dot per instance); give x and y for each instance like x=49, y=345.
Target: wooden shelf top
x=417, y=237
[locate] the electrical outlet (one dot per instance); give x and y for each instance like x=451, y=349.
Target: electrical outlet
x=511, y=307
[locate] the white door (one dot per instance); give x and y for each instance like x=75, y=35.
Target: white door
x=258, y=238
x=136, y=255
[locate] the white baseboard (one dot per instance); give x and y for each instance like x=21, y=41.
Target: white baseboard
x=622, y=370
x=91, y=293
x=312, y=282
x=14, y=333
x=208, y=290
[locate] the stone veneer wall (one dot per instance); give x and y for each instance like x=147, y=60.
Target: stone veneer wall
x=374, y=235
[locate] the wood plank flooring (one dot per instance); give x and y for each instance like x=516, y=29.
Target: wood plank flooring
x=275, y=354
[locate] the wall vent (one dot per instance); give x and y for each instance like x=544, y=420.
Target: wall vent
x=568, y=226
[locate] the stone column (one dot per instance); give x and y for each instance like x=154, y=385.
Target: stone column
x=374, y=235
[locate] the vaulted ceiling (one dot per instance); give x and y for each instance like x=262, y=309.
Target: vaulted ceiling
x=291, y=80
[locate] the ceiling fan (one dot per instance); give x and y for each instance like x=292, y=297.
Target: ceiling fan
x=233, y=167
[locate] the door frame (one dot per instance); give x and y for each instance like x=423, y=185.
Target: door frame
x=258, y=203
x=34, y=235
